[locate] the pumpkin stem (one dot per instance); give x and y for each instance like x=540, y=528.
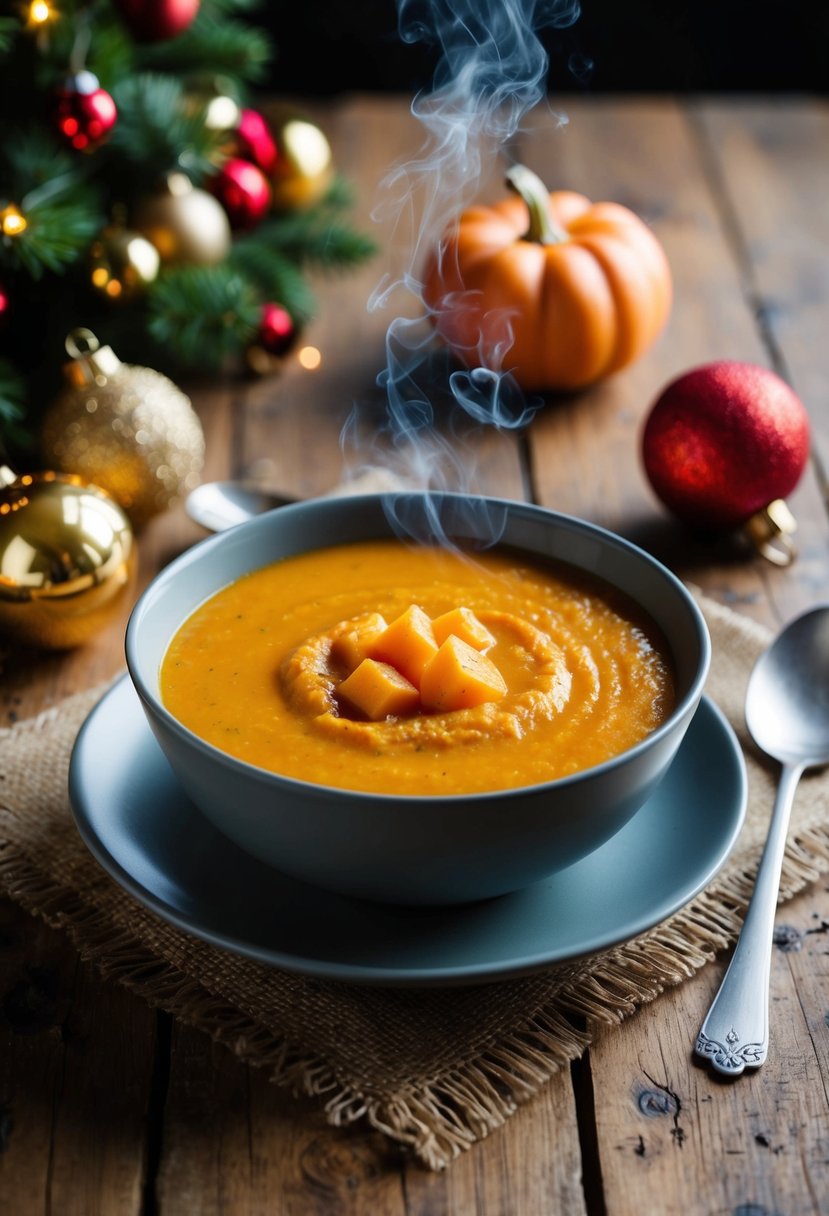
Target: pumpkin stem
x=535, y=194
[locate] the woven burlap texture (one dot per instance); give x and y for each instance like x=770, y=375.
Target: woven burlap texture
x=434, y=1069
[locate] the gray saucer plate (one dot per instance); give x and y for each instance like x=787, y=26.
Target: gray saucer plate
x=150, y=838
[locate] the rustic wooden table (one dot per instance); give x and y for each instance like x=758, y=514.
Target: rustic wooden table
x=108, y=1107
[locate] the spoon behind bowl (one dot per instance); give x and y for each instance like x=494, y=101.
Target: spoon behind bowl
x=787, y=715
x=219, y=505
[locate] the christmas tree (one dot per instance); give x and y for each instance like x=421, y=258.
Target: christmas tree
x=145, y=196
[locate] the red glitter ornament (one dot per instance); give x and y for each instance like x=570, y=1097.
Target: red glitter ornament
x=85, y=113
x=157, y=20
x=255, y=142
x=243, y=191
x=277, y=331
x=723, y=442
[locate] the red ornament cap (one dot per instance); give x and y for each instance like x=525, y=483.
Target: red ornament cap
x=723, y=441
x=243, y=191
x=85, y=112
x=255, y=141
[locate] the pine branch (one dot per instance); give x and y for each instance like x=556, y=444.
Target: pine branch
x=33, y=159
x=276, y=276
x=111, y=53
x=202, y=314
x=230, y=7
x=313, y=238
x=220, y=45
x=9, y=28
x=339, y=196
x=159, y=130
x=12, y=406
x=57, y=232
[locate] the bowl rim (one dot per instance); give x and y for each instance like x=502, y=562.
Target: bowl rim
x=201, y=550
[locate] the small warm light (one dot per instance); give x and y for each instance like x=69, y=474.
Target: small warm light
x=12, y=223
x=113, y=288
x=309, y=358
x=100, y=276
x=40, y=12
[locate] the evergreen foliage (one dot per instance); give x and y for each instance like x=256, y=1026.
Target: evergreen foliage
x=191, y=317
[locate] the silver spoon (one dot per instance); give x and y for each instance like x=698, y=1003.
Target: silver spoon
x=218, y=505
x=787, y=715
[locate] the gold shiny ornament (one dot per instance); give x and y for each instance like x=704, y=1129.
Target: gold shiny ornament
x=186, y=225
x=122, y=263
x=68, y=559
x=304, y=167
x=126, y=428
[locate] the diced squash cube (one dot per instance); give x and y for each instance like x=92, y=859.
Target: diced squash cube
x=459, y=677
x=351, y=647
x=408, y=644
x=465, y=625
x=379, y=691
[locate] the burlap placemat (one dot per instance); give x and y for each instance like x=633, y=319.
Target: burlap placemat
x=435, y=1069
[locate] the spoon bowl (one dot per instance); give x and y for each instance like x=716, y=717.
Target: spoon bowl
x=787, y=715
x=219, y=505
x=787, y=701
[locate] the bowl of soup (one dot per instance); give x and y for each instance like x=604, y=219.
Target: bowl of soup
x=422, y=699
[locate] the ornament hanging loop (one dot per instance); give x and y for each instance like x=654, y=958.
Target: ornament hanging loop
x=770, y=531
x=91, y=362
x=81, y=342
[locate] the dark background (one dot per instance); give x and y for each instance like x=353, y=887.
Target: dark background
x=324, y=47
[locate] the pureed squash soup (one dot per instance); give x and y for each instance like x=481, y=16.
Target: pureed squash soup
x=390, y=667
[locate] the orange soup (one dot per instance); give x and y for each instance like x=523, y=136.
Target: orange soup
x=393, y=668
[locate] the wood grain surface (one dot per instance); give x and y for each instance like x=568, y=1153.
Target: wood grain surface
x=108, y=1108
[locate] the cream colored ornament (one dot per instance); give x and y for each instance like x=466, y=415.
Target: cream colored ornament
x=128, y=429
x=186, y=225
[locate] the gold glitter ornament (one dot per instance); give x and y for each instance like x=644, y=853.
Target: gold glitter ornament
x=126, y=428
x=68, y=559
x=186, y=225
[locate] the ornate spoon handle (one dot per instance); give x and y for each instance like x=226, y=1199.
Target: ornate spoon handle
x=735, y=1033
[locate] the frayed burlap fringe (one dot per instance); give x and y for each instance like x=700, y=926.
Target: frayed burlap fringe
x=434, y=1070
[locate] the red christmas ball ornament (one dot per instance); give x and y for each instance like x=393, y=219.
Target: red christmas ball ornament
x=277, y=331
x=724, y=444
x=85, y=113
x=255, y=142
x=157, y=20
x=5, y=304
x=243, y=191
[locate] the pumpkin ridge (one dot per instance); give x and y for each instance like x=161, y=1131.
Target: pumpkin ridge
x=635, y=321
x=565, y=292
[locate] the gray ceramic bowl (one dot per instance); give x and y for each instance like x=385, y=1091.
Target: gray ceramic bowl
x=407, y=849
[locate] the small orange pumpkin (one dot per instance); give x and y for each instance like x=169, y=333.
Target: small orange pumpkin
x=553, y=288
